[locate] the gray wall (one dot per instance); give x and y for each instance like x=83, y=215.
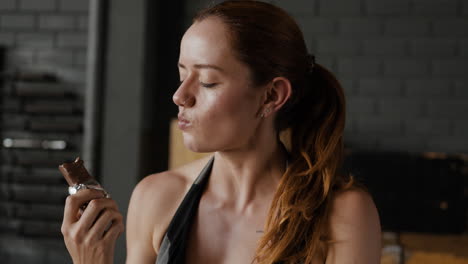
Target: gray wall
x=403, y=65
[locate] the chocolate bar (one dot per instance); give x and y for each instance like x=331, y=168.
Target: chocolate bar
x=76, y=173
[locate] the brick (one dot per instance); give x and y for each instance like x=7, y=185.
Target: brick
x=433, y=47
x=11, y=105
x=348, y=86
x=7, y=4
x=387, y=7
x=36, y=228
x=13, y=121
x=56, y=22
x=349, y=126
x=435, y=7
x=6, y=209
x=35, y=5
x=31, y=193
x=380, y=87
x=6, y=156
x=448, y=144
x=44, y=89
x=73, y=5
x=75, y=40
x=359, y=66
x=50, y=107
x=40, y=211
x=74, y=74
x=55, y=57
x=58, y=256
x=461, y=88
x=35, y=40
x=39, y=176
x=407, y=27
x=82, y=23
x=428, y=88
x=450, y=67
x=427, y=127
x=317, y=26
x=384, y=46
x=451, y=27
x=298, y=7
x=378, y=125
x=17, y=21
x=338, y=46
x=80, y=57
x=405, y=67
x=360, y=105
x=400, y=107
x=7, y=39
x=21, y=57
x=463, y=47
x=41, y=158
x=18, y=247
x=361, y=26
x=460, y=129
x=448, y=108
x=326, y=61
x=360, y=141
x=192, y=7
x=340, y=8
x=56, y=126
x=402, y=144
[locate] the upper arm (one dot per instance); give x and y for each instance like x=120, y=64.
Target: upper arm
x=355, y=229
x=139, y=227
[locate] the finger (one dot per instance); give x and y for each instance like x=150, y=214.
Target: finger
x=75, y=202
x=93, y=210
x=104, y=222
x=114, y=230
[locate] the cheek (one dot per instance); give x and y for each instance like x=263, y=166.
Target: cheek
x=227, y=115
x=223, y=120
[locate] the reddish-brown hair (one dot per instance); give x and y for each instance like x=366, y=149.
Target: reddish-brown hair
x=271, y=44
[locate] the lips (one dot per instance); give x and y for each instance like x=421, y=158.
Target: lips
x=183, y=123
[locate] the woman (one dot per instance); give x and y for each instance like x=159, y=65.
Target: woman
x=245, y=76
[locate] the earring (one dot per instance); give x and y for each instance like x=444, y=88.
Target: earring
x=266, y=112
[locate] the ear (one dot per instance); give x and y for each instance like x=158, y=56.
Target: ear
x=276, y=95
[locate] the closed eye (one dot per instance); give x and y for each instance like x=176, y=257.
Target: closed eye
x=208, y=85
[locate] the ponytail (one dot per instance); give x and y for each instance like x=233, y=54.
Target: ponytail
x=297, y=228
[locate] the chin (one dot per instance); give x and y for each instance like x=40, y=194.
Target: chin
x=197, y=146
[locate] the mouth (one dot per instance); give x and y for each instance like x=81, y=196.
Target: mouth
x=183, y=123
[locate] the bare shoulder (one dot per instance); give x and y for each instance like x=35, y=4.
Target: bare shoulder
x=162, y=188
x=355, y=228
x=154, y=202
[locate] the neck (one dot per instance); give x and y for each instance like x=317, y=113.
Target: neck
x=248, y=176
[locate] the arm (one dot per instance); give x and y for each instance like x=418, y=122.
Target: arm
x=140, y=225
x=355, y=228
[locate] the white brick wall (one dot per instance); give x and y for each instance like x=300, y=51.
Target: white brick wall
x=46, y=35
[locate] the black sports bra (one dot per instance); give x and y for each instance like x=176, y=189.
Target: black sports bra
x=173, y=247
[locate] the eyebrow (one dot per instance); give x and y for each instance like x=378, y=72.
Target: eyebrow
x=203, y=66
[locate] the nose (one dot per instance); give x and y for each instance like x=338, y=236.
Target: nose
x=183, y=96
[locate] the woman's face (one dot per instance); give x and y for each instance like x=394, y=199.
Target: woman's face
x=218, y=108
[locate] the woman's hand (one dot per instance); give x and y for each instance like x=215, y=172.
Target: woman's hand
x=90, y=235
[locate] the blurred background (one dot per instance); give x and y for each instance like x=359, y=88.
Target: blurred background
x=95, y=79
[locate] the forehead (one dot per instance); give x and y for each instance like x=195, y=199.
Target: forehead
x=206, y=41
